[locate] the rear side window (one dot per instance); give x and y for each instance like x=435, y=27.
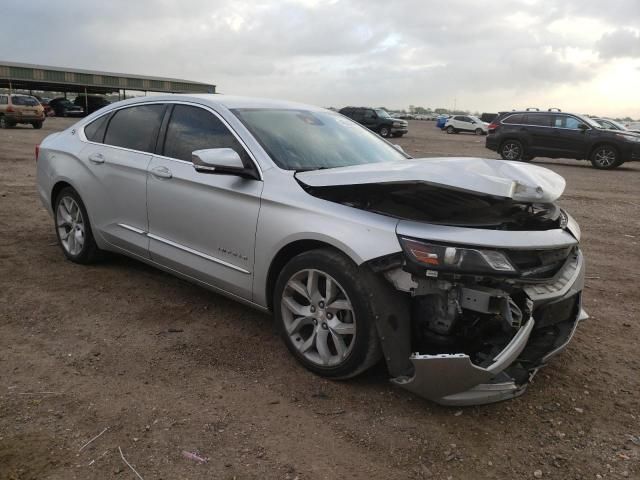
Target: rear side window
x=514, y=119
x=135, y=127
x=24, y=101
x=192, y=128
x=3, y=100
x=540, y=120
x=95, y=130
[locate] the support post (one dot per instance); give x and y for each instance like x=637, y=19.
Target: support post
x=86, y=102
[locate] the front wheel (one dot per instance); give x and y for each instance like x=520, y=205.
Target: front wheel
x=4, y=123
x=512, y=150
x=324, y=316
x=605, y=158
x=73, y=228
x=385, y=132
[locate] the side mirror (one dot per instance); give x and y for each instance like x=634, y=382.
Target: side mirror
x=583, y=127
x=217, y=160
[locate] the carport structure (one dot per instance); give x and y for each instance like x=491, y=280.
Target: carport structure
x=24, y=76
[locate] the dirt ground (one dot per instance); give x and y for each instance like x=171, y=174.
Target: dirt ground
x=168, y=367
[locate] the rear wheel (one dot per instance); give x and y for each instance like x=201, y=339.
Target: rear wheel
x=451, y=130
x=37, y=125
x=479, y=131
x=324, y=315
x=73, y=228
x=512, y=150
x=385, y=132
x=605, y=157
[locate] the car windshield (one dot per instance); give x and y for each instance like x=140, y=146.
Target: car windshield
x=383, y=113
x=616, y=125
x=311, y=140
x=24, y=100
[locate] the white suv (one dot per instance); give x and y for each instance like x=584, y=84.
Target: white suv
x=466, y=123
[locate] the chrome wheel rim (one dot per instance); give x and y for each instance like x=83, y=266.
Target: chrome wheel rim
x=318, y=317
x=511, y=151
x=70, y=225
x=384, y=132
x=605, y=157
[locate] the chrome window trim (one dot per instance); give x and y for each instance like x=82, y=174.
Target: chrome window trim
x=84, y=138
x=183, y=247
x=589, y=127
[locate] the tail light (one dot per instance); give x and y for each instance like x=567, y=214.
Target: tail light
x=493, y=126
x=10, y=109
x=37, y=152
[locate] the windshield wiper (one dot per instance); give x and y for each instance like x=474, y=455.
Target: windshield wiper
x=310, y=169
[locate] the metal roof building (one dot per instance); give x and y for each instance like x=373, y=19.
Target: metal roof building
x=55, y=79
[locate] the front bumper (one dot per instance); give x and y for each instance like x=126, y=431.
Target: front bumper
x=403, y=129
x=452, y=379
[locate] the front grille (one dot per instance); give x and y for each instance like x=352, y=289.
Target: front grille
x=540, y=263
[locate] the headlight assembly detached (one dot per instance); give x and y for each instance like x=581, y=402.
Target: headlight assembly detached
x=457, y=259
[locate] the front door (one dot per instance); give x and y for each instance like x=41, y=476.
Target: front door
x=202, y=224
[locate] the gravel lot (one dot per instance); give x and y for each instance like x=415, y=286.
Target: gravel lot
x=169, y=367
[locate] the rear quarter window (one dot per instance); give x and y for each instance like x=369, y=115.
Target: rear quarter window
x=514, y=119
x=96, y=129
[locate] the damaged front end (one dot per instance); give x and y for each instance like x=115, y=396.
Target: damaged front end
x=488, y=285
x=482, y=321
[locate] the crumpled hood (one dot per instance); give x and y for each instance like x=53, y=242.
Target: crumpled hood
x=498, y=178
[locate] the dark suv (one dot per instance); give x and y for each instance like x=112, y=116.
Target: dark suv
x=378, y=120
x=527, y=134
x=91, y=103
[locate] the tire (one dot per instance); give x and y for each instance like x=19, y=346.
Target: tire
x=79, y=247
x=450, y=130
x=4, y=122
x=312, y=334
x=479, y=131
x=37, y=125
x=385, y=132
x=65, y=114
x=605, y=157
x=512, y=150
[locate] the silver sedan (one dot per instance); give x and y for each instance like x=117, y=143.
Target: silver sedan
x=461, y=274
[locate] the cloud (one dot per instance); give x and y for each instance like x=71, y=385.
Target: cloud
x=338, y=52
x=620, y=43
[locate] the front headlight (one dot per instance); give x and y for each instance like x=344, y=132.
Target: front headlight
x=456, y=259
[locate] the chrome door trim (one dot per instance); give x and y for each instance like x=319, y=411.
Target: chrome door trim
x=133, y=229
x=197, y=253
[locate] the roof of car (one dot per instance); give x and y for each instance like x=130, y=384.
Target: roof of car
x=227, y=101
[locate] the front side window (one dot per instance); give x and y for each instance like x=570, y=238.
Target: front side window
x=310, y=140
x=564, y=121
x=516, y=119
x=135, y=128
x=193, y=128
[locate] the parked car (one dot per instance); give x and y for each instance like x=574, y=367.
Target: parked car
x=91, y=103
x=527, y=134
x=466, y=123
x=441, y=121
x=609, y=124
x=44, y=101
x=65, y=108
x=633, y=127
x=360, y=252
x=16, y=109
x=488, y=117
x=378, y=120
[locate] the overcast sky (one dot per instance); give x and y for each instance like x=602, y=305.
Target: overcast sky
x=579, y=55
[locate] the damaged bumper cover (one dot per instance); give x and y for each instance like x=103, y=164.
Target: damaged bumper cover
x=453, y=379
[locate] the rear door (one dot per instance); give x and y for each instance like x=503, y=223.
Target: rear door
x=117, y=155
x=539, y=133
x=202, y=224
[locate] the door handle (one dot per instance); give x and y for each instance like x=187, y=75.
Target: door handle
x=161, y=172
x=96, y=158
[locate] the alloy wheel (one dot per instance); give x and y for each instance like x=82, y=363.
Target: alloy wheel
x=511, y=151
x=318, y=317
x=605, y=157
x=70, y=224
